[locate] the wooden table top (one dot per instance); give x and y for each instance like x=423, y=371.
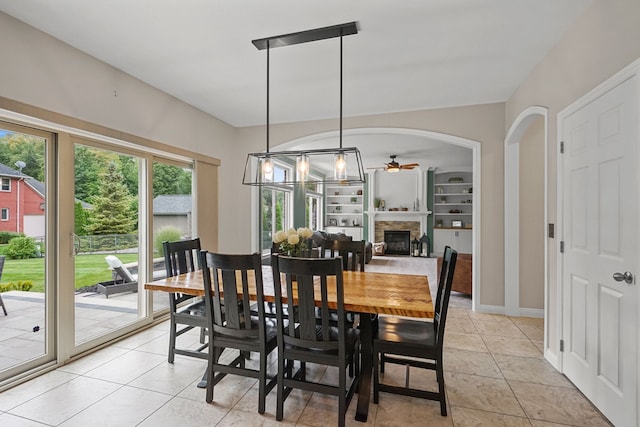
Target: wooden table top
x=364, y=292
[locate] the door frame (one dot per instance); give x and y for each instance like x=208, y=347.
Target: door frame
x=626, y=73
x=512, y=217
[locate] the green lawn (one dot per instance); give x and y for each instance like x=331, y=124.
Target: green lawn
x=90, y=269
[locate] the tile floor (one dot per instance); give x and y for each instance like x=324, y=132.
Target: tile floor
x=494, y=370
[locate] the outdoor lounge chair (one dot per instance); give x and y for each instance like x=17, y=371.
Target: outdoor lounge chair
x=127, y=282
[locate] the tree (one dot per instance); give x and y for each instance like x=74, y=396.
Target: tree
x=88, y=167
x=169, y=179
x=112, y=209
x=81, y=218
x=26, y=148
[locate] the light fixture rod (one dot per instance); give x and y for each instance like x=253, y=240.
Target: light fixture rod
x=307, y=36
x=341, y=90
x=268, y=95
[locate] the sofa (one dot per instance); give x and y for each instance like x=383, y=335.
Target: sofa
x=319, y=236
x=462, y=277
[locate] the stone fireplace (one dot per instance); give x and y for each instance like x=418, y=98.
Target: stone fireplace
x=398, y=242
x=411, y=227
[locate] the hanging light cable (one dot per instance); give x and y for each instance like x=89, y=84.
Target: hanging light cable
x=340, y=162
x=267, y=163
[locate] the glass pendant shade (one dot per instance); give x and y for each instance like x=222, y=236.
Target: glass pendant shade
x=302, y=166
x=340, y=166
x=267, y=169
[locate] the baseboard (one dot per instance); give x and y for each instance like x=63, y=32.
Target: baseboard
x=553, y=359
x=490, y=309
x=499, y=309
x=532, y=312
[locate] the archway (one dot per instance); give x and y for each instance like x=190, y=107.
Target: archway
x=512, y=210
x=320, y=140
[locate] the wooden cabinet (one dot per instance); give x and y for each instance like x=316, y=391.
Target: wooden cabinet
x=344, y=209
x=460, y=240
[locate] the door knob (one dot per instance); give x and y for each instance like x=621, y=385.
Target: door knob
x=626, y=276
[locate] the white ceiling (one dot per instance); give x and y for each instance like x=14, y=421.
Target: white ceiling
x=408, y=55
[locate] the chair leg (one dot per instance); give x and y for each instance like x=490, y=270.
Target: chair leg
x=262, y=384
x=210, y=374
x=440, y=378
x=280, y=387
x=376, y=376
x=342, y=399
x=172, y=340
x=3, y=307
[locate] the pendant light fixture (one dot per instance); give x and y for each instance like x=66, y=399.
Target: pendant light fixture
x=321, y=160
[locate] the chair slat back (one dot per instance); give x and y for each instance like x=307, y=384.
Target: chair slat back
x=310, y=285
x=181, y=256
x=351, y=251
x=444, y=292
x=227, y=296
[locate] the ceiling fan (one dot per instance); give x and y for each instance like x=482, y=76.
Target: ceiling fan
x=394, y=166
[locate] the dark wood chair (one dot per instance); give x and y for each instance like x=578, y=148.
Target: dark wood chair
x=353, y=259
x=303, y=339
x=351, y=251
x=232, y=326
x=182, y=257
x=418, y=343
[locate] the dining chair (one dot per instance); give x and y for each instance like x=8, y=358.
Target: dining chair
x=305, y=340
x=418, y=343
x=182, y=257
x=353, y=259
x=351, y=251
x=232, y=326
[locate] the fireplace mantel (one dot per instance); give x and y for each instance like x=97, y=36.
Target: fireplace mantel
x=415, y=216
x=397, y=215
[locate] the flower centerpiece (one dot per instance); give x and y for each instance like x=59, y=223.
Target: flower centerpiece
x=292, y=241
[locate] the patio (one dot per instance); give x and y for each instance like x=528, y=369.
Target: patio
x=22, y=331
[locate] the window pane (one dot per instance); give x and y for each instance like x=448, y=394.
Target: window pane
x=106, y=241
x=172, y=216
x=24, y=332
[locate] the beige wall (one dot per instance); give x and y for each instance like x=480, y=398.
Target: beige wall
x=531, y=182
x=600, y=43
x=42, y=72
x=483, y=123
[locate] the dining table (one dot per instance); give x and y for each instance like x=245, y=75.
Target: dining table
x=367, y=293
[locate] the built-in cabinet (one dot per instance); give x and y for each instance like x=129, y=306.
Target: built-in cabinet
x=453, y=211
x=344, y=209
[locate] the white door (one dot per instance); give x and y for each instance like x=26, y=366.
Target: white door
x=600, y=221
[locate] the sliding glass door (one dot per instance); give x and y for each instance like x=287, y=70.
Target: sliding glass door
x=26, y=199
x=107, y=255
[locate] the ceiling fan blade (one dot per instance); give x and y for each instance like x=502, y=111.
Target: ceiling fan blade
x=410, y=165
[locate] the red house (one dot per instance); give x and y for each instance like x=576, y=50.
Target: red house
x=21, y=203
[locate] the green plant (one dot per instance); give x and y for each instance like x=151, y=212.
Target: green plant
x=21, y=248
x=22, y=285
x=6, y=236
x=165, y=234
x=376, y=202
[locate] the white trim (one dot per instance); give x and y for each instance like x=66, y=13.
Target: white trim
x=532, y=312
x=512, y=205
x=475, y=146
x=489, y=309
